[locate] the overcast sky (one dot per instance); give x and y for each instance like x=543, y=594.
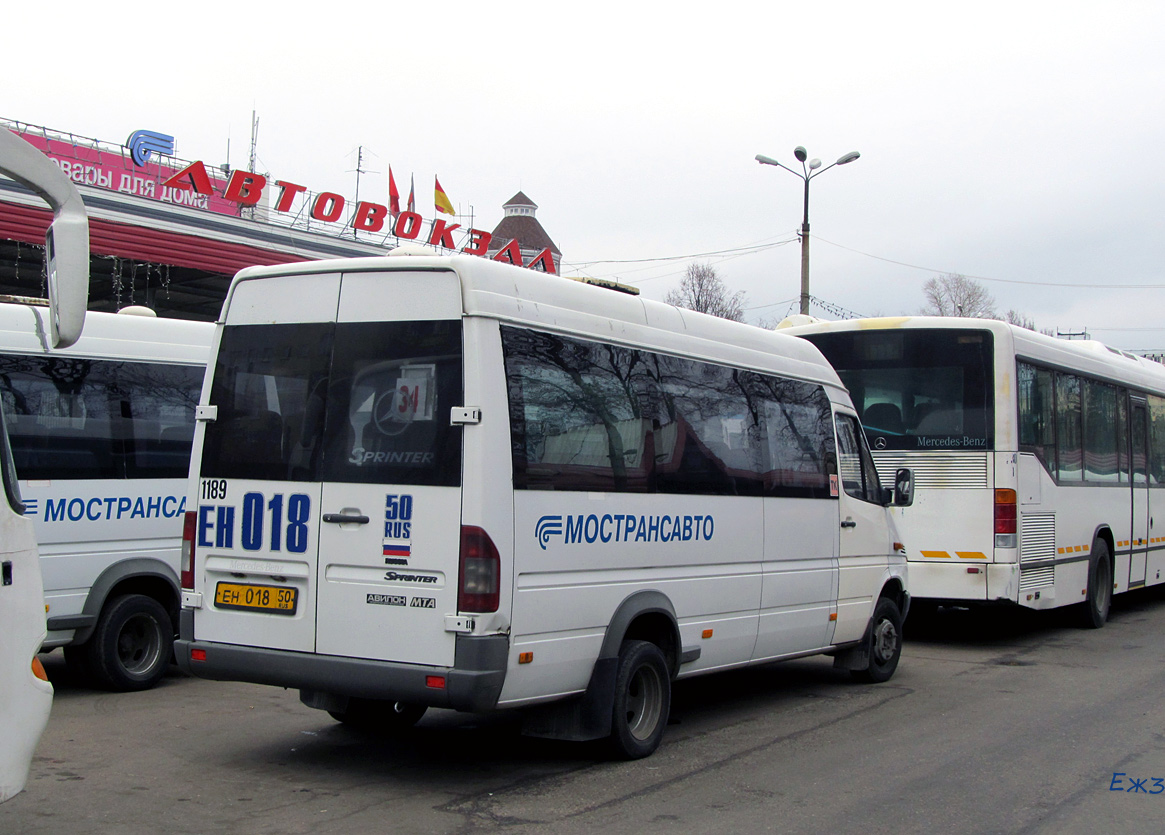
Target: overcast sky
x=1019, y=143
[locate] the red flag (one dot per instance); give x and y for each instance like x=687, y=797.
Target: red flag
x=393, y=196
x=412, y=202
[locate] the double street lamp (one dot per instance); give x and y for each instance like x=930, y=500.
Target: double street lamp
x=808, y=172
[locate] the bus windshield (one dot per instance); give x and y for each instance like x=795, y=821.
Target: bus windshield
x=917, y=389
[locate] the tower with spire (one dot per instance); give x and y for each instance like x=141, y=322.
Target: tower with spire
x=520, y=224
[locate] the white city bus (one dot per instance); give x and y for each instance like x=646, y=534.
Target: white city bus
x=26, y=696
x=1038, y=461
x=100, y=436
x=430, y=481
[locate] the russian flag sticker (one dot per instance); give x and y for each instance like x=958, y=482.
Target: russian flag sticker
x=395, y=548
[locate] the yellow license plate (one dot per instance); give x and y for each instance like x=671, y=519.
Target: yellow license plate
x=279, y=600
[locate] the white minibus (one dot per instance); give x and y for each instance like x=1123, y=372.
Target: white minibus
x=100, y=436
x=26, y=696
x=425, y=481
x=25, y=692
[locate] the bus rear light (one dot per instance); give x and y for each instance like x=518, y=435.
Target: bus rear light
x=1005, y=511
x=187, y=559
x=435, y=682
x=480, y=572
x=197, y=655
x=1005, y=519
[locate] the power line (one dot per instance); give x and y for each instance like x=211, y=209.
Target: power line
x=740, y=250
x=829, y=307
x=999, y=280
x=1128, y=329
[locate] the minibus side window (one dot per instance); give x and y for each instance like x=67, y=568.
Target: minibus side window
x=858, y=476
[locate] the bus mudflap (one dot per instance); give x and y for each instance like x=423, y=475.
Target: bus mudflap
x=582, y=719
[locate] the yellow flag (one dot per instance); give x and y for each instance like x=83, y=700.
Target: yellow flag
x=441, y=199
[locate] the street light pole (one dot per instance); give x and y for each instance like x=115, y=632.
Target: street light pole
x=805, y=254
x=807, y=173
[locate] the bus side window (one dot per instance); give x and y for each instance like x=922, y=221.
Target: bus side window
x=1037, y=423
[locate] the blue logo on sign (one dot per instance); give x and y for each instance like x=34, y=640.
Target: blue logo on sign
x=142, y=143
x=625, y=527
x=547, y=527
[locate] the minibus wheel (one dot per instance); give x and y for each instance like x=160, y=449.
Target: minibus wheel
x=642, y=700
x=131, y=647
x=379, y=716
x=885, y=642
x=1099, y=598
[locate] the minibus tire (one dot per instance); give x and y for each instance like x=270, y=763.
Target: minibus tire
x=642, y=700
x=884, y=643
x=379, y=716
x=1099, y=600
x=132, y=645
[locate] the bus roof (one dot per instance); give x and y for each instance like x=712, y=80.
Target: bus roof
x=1087, y=356
x=529, y=298
x=108, y=336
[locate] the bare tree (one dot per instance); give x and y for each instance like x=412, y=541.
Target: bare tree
x=704, y=291
x=1014, y=317
x=956, y=295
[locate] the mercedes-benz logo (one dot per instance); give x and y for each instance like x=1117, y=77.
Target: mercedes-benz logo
x=385, y=415
x=879, y=443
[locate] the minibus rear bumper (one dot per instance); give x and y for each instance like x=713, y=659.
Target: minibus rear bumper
x=473, y=683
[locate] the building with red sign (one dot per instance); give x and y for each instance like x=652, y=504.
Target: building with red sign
x=169, y=240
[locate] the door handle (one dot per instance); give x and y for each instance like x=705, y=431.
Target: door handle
x=346, y=519
x=849, y=523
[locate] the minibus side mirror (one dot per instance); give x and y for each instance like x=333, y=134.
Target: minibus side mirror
x=903, y=488
x=67, y=239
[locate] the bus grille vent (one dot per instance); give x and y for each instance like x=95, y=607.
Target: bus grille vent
x=1037, y=578
x=950, y=470
x=1039, y=537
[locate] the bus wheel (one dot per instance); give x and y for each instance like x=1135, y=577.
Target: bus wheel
x=885, y=643
x=1099, y=586
x=642, y=700
x=378, y=716
x=131, y=647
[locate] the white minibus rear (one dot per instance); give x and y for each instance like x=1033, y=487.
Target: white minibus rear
x=430, y=481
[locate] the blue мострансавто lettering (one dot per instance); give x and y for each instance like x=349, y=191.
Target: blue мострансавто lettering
x=114, y=507
x=629, y=527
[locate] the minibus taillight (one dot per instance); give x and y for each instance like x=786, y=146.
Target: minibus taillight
x=480, y=572
x=1005, y=519
x=187, y=563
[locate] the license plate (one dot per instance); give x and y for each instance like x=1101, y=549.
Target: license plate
x=279, y=600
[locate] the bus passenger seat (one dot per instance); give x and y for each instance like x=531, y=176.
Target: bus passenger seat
x=884, y=416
